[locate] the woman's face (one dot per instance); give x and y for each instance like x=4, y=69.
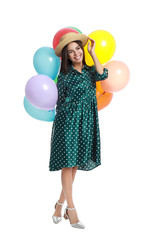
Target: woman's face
x=75, y=53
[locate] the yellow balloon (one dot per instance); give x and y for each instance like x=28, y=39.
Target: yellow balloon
x=105, y=47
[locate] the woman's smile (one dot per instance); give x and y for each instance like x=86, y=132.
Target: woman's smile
x=77, y=58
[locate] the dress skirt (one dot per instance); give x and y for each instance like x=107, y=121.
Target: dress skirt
x=75, y=138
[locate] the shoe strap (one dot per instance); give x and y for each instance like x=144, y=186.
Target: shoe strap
x=70, y=208
x=60, y=203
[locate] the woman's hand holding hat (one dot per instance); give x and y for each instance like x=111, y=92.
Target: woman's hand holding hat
x=91, y=50
x=91, y=46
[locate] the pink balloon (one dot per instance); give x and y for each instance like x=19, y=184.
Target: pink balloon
x=118, y=76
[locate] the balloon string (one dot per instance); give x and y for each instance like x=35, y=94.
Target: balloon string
x=100, y=96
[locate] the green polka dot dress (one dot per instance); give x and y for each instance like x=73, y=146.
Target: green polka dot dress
x=75, y=136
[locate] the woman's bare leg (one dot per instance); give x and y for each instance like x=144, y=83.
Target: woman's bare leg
x=62, y=196
x=67, y=182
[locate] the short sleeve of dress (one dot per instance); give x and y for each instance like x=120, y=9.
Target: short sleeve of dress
x=61, y=90
x=97, y=76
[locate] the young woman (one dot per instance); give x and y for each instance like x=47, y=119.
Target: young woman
x=75, y=139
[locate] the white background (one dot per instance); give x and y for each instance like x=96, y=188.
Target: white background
x=113, y=199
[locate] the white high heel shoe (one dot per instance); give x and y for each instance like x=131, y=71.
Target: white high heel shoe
x=75, y=225
x=55, y=218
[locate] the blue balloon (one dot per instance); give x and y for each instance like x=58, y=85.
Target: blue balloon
x=38, y=113
x=46, y=62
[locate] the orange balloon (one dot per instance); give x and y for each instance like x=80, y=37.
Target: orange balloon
x=103, y=98
x=118, y=76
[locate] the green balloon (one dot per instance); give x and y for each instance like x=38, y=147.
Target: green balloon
x=75, y=29
x=56, y=80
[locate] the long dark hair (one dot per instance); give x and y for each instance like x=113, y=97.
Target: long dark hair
x=65, y=62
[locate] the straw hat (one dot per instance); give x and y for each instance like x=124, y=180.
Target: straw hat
x=68, y=38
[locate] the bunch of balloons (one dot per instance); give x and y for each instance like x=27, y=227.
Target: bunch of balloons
x=41, y=90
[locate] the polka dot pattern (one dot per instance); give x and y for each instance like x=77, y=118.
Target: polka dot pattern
x=75, y=137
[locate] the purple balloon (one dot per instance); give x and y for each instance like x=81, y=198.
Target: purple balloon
x=41, y=91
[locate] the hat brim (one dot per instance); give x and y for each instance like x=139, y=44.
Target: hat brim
x=80, y=36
